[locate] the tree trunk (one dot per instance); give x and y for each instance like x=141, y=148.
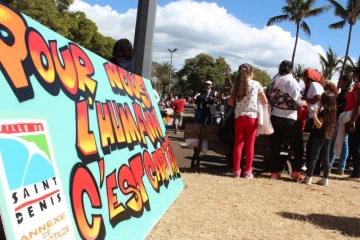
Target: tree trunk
x=347, y=50
x=163, y=88
x=296, y=40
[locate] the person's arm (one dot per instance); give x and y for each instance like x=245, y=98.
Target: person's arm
x=355, y=111
x=316, y=99
x=318, y=121
x=231, y=101
x=263, y=98
x=228, y=75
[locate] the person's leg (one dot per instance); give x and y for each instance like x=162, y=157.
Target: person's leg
x=332, y=154
x=181, y=116
x=344, y=154
x=354, y=142
x=251, y=130
x=297, y=143
x=240, y=127
x=325, y=158
x=309, y=125
x=315, y=153
x=277, y=138
x=176, y=122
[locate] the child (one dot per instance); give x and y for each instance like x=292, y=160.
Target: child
x=244, y=97
x=321, y=133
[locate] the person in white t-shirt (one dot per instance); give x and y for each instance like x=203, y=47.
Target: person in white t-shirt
x=313, y=93
x=244, y=97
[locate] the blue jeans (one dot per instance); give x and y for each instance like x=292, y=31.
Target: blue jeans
x=344, y=151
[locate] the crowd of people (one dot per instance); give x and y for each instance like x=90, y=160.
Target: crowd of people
x=331, y=117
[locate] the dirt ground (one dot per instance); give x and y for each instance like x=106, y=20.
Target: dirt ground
x=215, y=206
x=220, y=207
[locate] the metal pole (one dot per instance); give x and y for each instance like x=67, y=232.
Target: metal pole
x=171, y=52
x=170, y=70
x=144, y=36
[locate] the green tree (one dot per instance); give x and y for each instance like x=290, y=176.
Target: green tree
x=350, y=14
x=260, y=75
x=182, y=86
x=299, y=72
x=204, y=68
x=350, y=65
x=162, y=72
x=329, y=63
x=296, y=11
x=75, y=26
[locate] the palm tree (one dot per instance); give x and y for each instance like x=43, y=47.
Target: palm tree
x=296, y=11
x=162, y=72
x=299, y=72
x=350, y=65
x=349, y=15
x=329, y=63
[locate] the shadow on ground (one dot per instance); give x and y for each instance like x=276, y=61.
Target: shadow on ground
x=345, y=225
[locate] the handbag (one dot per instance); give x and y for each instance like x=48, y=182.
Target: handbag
x=265, y=127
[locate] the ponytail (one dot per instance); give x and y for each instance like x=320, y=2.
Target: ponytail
x=241, y=86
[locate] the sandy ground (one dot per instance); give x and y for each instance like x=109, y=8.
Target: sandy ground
x=220, y=207
x=216, y=206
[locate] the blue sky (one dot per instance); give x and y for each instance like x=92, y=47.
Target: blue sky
x=233, y=29
x=257, y=13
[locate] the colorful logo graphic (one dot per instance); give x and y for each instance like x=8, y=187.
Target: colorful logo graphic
x=26, y=160
x=30, y=183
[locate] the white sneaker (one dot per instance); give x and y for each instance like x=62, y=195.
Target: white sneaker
x=323, y=182
x=304, y=168
x=307, y=180
x=248, y=176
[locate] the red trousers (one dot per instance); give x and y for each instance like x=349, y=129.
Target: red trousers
x=245, y=133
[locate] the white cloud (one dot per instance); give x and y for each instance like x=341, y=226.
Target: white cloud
x=202, y=27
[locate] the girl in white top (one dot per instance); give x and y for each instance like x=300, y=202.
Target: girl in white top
x=244, y=97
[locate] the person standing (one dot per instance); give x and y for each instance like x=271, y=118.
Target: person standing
x=122, y=54
x=322, y=131
x=344, y=84
x=244, y=97
x=178, y=106
x=312, y=95
x=206, y=102
x=285, y=100
x=353, y=104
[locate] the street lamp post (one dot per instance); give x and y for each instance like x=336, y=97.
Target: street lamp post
x=171, y=52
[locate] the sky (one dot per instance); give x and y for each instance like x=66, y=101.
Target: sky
x=233, y=29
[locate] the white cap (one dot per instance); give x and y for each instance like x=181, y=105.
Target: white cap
x=209, y=82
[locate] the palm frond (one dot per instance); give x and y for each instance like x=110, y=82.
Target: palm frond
x=277, y=19
x=322, y=59
x=338, y=25
x=351, y=5
x=308, y=4
x=288, y=10
x=317, y=11
x=339, y=11
x=305, y=28
x=291, y=3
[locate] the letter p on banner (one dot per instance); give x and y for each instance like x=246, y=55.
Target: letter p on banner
x=82, y=141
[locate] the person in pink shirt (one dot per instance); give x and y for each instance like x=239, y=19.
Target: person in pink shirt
x=178, y=106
